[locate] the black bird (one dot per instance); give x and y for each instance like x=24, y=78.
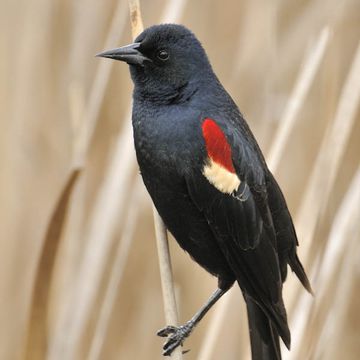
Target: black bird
x=209, y=182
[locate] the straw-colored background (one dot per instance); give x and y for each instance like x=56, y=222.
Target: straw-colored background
x=84, y=283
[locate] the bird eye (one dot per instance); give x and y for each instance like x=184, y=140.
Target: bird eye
x=162, y=55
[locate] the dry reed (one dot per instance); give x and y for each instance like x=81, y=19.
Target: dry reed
x=80, y=280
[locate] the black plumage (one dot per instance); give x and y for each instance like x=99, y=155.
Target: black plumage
x=243, y=233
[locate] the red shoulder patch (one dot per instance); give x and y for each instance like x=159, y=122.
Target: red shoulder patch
x=217, y=147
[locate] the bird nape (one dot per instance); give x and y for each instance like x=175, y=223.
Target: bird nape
x=209, y=182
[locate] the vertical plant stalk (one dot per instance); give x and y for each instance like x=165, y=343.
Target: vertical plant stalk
x=37, y=342
x=83, y=131
x=301, y=89
x=108, y=208
x=117, y=271
x=330, y=154
x=165, y=270
x=135, y=18
x=160, y=229
x=329, y=157
x=336, y=259
x=36, y=347
x=96, y=97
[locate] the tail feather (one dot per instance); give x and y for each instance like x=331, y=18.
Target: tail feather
x=264, y=337
x=298, y=269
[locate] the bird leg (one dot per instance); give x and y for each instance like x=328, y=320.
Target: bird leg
x=179, y=333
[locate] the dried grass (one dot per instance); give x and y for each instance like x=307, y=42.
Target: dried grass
x=62, y=111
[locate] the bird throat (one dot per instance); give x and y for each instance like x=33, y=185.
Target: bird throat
x=166, y=95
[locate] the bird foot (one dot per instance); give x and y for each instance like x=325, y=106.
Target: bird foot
x=176, y=336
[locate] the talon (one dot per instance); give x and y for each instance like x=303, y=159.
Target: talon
x=166, y=331
x=169, y=343
x=171, y=348
x=167, y=353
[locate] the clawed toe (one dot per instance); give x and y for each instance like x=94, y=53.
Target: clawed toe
x=166, y=331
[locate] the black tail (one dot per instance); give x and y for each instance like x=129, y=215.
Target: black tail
x=264, y=337
x=298, y=269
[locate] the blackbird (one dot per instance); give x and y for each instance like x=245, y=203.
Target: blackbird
x=210, y=183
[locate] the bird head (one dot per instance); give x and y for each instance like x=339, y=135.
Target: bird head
x=163, y=59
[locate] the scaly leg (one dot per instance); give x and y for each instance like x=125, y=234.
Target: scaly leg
x=179, y=333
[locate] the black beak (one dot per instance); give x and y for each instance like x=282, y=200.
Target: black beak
x=129, y=53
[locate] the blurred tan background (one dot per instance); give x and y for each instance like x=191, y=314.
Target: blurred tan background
x=79, y=276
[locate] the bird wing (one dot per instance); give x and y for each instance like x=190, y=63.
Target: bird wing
x=234, y=166
x=230, y=190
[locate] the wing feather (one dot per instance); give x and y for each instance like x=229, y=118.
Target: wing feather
x=243, y=226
